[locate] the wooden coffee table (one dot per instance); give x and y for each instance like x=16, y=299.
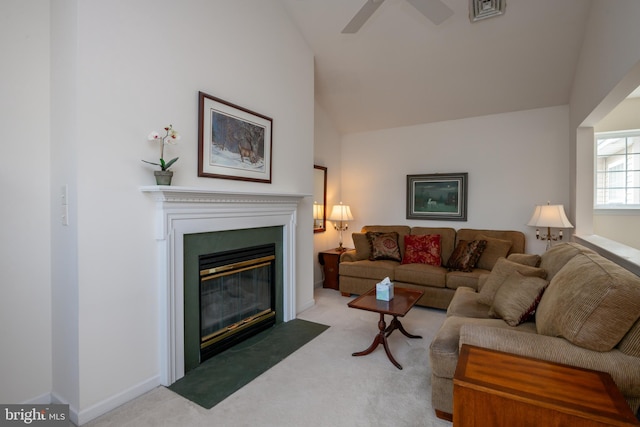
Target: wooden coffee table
x=401, y=303
x=492, y=388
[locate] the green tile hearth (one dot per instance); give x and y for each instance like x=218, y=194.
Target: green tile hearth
x=222, y=375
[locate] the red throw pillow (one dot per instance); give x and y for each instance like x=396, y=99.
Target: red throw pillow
x=422, y=249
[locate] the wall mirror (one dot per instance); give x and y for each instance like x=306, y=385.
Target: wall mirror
x=319, y=198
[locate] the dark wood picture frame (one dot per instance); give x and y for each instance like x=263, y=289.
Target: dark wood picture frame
x=234, y=142
x=320, y=198
x=440, y=196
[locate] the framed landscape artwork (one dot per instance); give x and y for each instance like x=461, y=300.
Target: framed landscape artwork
x=440, y=196
x=234, y=143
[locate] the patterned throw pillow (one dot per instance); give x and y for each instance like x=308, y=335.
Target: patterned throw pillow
x=465, y=256
x=384, y=246
x=422, y=249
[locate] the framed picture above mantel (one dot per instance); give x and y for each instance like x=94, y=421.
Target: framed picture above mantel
x=440, y=196
x=234, y=142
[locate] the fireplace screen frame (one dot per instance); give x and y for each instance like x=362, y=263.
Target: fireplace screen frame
x=233, y=271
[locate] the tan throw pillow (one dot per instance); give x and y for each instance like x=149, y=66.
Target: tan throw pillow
x=384, y=246
x=591, y=302
x=361, y=244
x=501, y=271
x=496, y=248
x=532, y=260
x=516, y=300
x=466, y=254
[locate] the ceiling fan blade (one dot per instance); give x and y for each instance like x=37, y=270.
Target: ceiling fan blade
x=435, y=10
x=362, y=16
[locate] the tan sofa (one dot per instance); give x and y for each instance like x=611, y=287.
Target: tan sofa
x=587, y=316
x=358, y=274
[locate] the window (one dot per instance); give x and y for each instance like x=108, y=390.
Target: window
x=617, y=170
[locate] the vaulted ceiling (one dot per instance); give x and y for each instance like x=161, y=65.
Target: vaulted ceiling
x=401, y=69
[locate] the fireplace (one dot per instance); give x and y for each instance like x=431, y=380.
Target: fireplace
x=185, y=211
x=237, y=296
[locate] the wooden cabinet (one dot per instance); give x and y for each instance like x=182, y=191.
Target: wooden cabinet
x=330, y=261
x=492, y=388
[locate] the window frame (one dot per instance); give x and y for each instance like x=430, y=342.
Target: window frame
x=622, y=207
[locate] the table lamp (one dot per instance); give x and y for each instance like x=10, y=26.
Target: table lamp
x=550, y=216
x=340, y=214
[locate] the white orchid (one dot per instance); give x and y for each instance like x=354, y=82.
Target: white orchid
x=171, y=137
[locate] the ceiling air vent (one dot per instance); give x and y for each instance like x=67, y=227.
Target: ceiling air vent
x=483, y=9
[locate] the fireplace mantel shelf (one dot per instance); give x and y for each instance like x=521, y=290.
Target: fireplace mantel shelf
x=167, y=193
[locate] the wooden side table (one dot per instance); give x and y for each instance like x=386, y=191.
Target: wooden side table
x=330, y=260
x=493, y=388
x=399, y=306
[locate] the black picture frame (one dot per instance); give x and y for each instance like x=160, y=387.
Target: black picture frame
x=437, y=196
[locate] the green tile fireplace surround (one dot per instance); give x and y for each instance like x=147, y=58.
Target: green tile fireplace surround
x=207, y=243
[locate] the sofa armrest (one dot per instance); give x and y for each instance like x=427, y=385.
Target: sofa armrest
x=349, y=256
x=624, y=369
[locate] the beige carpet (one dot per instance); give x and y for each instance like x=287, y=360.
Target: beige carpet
x=321, y=384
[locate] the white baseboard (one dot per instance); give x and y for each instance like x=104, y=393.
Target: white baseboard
x=73, y=412
x=101, y=408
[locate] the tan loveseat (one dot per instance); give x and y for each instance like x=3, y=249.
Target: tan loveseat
x=358, y=273
x=587, y=316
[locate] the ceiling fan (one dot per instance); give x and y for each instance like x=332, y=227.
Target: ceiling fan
x=435, y=10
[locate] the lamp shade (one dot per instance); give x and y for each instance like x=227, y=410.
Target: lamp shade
x=341, y=213
x=549, y=216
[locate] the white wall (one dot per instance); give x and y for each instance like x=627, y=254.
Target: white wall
x=612, y=224
x=120, y=69
x=25, y=306
x=64, y=147
x=608, y=70
x=327, y=152
x=514, y=161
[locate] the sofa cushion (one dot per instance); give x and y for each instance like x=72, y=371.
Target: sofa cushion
x=465, y=304
x=532, y=260
x=591, y=302
x=517, y=298
x=421, y=274
x=466, y=254
x=361, y=245
x=422, y=249
x=384, y=246
x=443, y=351
x=469, y=279
x=366, y=269
x=559, y=255
x=496, y=248
x=501, y=271
x=517, y=238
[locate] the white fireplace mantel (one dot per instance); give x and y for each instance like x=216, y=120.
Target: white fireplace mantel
x=187, y=210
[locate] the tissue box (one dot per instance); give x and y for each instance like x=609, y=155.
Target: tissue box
x=384, y=291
